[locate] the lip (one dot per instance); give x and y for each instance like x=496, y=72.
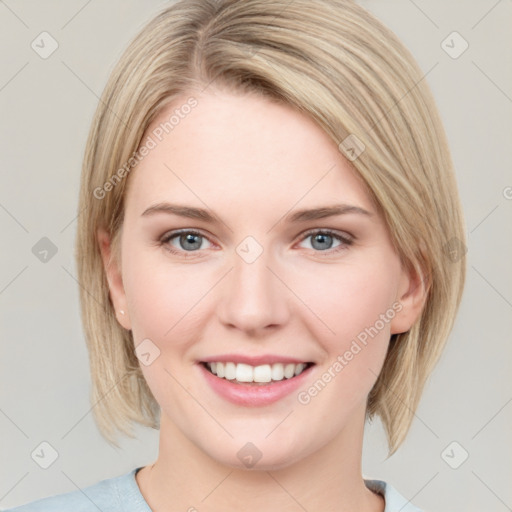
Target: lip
x=253, y=360
x=253, y=395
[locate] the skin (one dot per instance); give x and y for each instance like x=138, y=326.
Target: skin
x=251, y=162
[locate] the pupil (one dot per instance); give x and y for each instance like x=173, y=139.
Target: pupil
x=322, y=239
x=189, y=238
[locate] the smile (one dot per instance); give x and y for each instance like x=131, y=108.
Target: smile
x=259, y=385
x=265, y=373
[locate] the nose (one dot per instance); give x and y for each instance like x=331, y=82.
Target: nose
x=254, y=297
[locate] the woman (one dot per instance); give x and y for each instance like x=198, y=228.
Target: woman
x=268, y=253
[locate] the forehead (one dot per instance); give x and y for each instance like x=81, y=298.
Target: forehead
x=241, y=150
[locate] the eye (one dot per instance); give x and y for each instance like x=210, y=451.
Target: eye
x=322, y=240
x=186, y=241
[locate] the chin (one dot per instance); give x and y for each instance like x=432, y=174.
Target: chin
x=258, y=456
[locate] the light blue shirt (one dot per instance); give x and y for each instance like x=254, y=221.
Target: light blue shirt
x=122, y=494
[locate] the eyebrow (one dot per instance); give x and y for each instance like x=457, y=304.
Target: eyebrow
x=296, y=216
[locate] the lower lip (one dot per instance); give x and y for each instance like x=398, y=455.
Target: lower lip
x=254, y=395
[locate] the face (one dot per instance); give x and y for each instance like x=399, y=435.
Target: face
x=257, y=282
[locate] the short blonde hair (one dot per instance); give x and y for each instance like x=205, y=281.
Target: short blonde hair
x=339, y=65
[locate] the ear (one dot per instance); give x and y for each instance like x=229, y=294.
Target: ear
x=115, y=281
x=412, y=295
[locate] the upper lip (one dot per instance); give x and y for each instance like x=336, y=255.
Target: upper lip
x=253, y=360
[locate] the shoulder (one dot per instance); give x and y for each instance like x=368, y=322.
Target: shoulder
x=395, y=502
x=109, y=495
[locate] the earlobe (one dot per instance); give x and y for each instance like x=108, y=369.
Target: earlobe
x=412, y=295
x=114, y=278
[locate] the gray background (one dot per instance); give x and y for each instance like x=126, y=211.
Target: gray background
x=46, y=109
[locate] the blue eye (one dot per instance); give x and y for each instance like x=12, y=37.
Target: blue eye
x=190, y=241
x=322, y=240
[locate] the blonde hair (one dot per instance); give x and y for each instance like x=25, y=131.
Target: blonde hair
x=334, y=62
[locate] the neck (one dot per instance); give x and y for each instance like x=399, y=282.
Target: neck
x=185, y=478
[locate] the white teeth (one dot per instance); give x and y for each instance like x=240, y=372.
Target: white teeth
x=263, y=373
x=244, y=372
x=289, y=371
x=299, y=368
x=229, y=371
x=277, y=372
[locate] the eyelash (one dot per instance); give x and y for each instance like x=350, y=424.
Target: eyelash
x=345, y=241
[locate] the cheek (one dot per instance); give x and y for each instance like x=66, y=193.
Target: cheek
x=350, y=298
x=163, y=298
x=355, y=302
x=165, y=307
